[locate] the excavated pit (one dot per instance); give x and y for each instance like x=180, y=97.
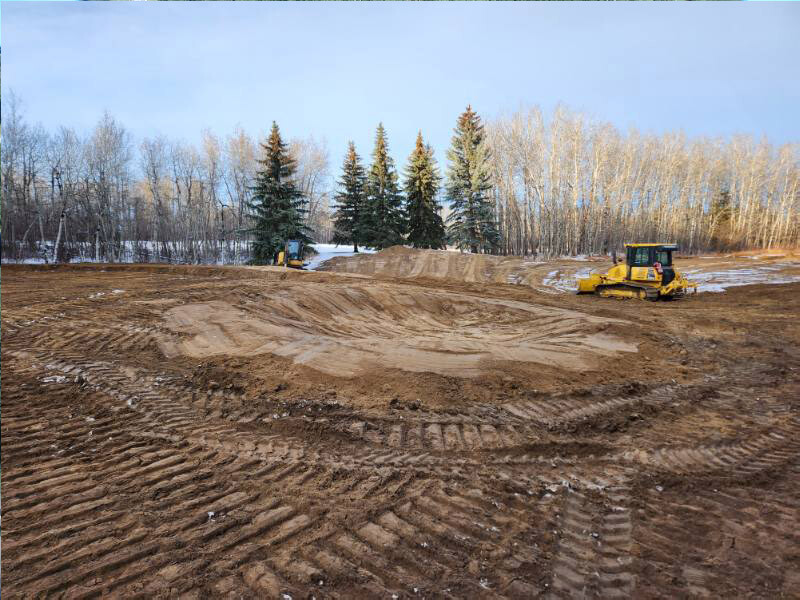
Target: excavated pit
x=346, y=331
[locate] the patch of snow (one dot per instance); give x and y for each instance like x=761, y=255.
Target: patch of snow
x=54, y=379
x=117, y=291
x=564, y=282
x=24, y=261
x=329, y=251
x=719, y=281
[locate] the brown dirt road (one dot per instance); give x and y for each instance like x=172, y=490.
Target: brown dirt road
x=230, y=432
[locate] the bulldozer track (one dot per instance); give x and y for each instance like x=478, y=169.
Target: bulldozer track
x=594, y=559
x=129, y=474
x=740, y=523
x=760, y=452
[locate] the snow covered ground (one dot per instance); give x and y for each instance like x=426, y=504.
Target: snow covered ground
x=719, y=281
x=329, y=251
x=326, y=252
x=564, y=281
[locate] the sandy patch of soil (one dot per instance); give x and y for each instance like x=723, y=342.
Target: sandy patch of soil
x=347, y=331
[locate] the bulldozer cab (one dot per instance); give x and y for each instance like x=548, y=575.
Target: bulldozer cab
x=649, y=262
x=646, y=255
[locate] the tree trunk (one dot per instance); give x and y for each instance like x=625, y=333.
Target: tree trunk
x=58, y=238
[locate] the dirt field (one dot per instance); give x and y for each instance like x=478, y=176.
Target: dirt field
x=251, y=432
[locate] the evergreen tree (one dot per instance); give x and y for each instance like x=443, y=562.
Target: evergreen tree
x=350, y=216
x=425, y=225
x=471, y=223
x=721, y=207
x=385, y=223
x=277, y=206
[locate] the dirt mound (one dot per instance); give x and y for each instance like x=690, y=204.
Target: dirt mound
x=712, y=273
x=347, y=330
x=399, y=261
x=397, y=251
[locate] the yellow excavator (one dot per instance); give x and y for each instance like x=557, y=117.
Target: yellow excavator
x=647, y=274
x=292, y=254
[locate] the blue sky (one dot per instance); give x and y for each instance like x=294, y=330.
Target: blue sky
x=335, y=70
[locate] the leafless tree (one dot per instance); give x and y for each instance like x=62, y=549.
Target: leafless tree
x=569, y=185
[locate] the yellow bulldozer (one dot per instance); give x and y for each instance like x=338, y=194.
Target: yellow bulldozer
x=291, y=255
x=647, y=274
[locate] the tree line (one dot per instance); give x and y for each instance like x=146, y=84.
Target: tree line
x=100, y=196
x=520, y=184
x=373, y=208
x=568, y=185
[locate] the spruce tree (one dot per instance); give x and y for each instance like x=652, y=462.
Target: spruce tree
x=385, y=224
x=471, y=223
x=425, y=225
x=277, y=207
x=350, y=216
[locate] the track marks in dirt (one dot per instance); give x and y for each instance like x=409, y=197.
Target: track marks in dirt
x=720, y=441
x=112, y=462
x=760, y=452
x=721, y=532
x=593, y=559
x=421, y=545
x=113, y=513
x=464, y=433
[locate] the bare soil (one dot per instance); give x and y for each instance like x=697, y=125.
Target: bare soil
x=559, y=276
x=253, y=432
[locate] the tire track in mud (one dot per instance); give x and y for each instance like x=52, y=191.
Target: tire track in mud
x=720, y=531
x=760, y=452
x=88, y=509
x=770, y=439
x=159, y=469
x=421, y=544
x=111, y=339
x=178, y=481
x=594, y=559
x=122, y=558
x=178, y=421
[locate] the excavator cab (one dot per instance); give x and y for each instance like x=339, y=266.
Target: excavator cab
x=292, y=254
x=647, y=273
